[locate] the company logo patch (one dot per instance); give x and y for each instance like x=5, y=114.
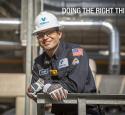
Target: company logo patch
x=43, y=71
x=63, y=63
x=75, y=61
x=43, y=20
x=77, y=52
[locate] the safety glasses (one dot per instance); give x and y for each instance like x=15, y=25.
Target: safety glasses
x=47, y=33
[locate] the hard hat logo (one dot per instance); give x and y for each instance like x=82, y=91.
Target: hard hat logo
x=45, y=20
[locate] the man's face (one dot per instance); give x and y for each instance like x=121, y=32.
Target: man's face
x=49, y=38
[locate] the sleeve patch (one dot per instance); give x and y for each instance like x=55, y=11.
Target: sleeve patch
x=75, y=61
x=77, y=52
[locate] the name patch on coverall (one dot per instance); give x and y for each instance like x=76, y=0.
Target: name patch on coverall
x=43, y=71
x=63, y=63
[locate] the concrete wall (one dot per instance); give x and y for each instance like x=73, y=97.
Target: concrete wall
x=13, y=86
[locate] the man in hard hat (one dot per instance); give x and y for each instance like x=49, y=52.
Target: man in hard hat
x=62, y=68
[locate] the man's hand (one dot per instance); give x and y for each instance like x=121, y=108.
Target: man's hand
x=34, y=88
x=56, y=91
x=30, y=93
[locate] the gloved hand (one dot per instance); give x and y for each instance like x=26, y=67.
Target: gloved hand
x=34, y=88
x=29, y=93
x=56, y=91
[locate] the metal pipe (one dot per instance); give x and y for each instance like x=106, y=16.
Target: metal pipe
x=42, y=6
x=82, y=4
x=7, y=45
x=28, y=51
x=114, y=62
x=11, y=23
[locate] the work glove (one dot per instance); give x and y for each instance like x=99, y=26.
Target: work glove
x=35, y=88
x=56, y=91
x=30, y=94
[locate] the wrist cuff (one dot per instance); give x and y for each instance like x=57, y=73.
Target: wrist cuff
x=45, y=88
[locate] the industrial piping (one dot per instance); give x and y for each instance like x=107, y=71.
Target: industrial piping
x=9, y=23
x=114, y=61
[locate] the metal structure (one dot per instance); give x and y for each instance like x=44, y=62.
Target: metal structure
x=9, y=23
x=81, y=100
x=114, y=62
x=7, y=45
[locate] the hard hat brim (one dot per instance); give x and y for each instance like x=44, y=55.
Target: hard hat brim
x=41, y=29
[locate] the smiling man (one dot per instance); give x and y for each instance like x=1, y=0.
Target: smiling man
x=61, y=69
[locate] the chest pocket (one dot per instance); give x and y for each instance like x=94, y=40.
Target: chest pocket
x=43, y=72
x=64, y=72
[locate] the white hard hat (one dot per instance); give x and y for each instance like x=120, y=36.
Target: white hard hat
x=45, y=20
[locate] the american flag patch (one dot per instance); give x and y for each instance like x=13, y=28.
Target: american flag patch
x=77, y=52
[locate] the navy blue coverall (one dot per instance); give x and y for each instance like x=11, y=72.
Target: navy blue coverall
x=72, y=71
